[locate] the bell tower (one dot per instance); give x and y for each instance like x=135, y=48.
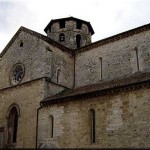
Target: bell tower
x=70, y=32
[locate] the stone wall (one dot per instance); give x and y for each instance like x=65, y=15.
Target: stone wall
x=27, y=96
x=122, y=121
x=52, y=89
x=29, y=54
x=113, y=60
x=42, y=62
x=70, y=31
x=40, y=59
x=60, y=61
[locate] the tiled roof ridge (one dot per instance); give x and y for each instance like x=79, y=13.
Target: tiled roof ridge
x=134, y=79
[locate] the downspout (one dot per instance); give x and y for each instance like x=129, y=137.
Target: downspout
x=37, y=124
x=74, y=71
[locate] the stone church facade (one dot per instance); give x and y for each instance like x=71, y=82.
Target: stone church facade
x=63, y=91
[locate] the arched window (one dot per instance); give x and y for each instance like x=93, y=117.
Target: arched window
x=78, y=40
x=51, y=118
x=12, y=124
x=58, y=75
x=92, y=125
x=61, y=37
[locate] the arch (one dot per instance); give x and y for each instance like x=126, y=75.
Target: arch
x=10, y=107
x=12, y=123
x=62, y=37
x=78, y=40
x=92, y=120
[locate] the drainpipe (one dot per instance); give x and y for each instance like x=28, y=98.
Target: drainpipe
x=74, y=75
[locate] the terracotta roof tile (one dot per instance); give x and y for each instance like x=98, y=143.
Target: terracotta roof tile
x=133, y=79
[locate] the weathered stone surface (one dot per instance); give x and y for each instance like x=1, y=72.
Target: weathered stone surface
x=122, y=117
x=70, y=31
x=122, y=121
x=27, y=97
x=41, y=62
x=118, y=60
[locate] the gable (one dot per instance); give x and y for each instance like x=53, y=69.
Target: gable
x=34, y=52
x=26, y=50
x=36, y=34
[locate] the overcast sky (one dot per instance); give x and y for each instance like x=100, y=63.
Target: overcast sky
x=108, y=17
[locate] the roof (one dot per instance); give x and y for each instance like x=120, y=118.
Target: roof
x=67, y=19
x=114, y=38
x=36, y=34
x=82, y=49
x=102, y=87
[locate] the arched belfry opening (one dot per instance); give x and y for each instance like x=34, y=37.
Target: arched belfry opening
x=71, y=32
x=12, y=116
x=78, y=40
x=62, y=37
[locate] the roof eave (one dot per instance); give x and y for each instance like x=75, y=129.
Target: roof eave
x=70, y=18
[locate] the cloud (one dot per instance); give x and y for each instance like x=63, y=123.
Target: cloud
x=5, y=8
x=108, y=17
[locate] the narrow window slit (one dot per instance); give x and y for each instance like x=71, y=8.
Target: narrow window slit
x=137, y=59
x=58, y=75
x=93, y=125
x=51, y=126
x=100, y=69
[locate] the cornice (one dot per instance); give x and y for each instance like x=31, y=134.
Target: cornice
x=47, y=79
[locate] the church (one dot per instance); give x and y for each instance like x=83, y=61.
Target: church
x=63, y=91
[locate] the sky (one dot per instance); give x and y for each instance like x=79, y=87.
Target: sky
x=107, y=17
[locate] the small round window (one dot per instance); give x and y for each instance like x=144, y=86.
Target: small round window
x=17, y=74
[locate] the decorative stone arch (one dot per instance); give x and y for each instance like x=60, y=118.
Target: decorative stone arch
x=10, y=107
x=12, y=115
